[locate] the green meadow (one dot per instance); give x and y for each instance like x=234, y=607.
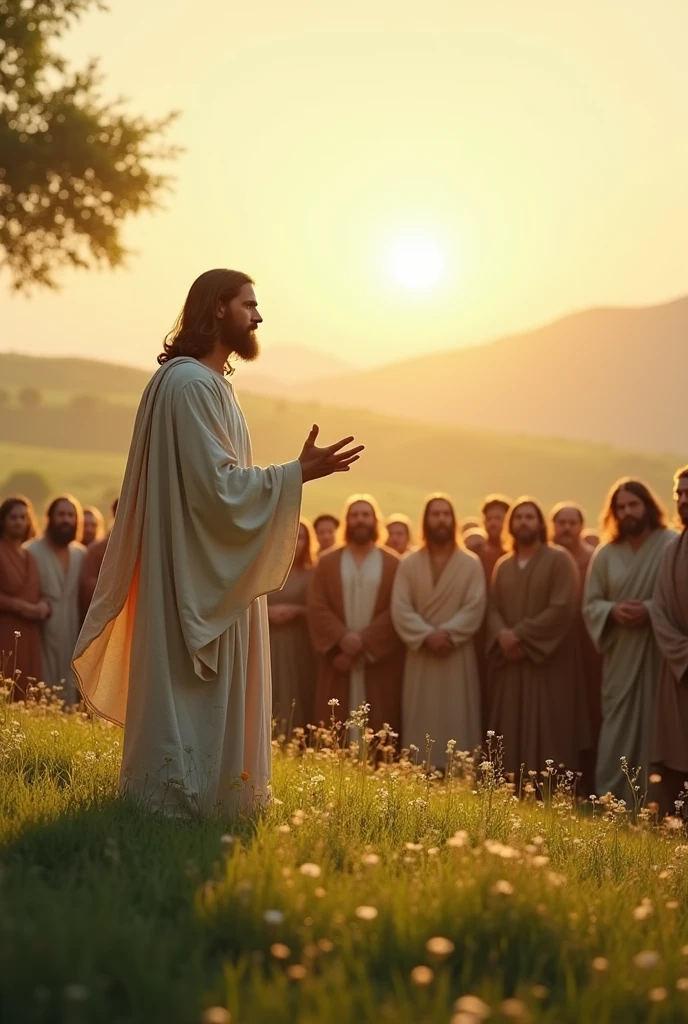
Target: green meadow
x=361, y=895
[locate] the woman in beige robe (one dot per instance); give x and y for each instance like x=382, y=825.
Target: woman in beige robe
x=441, y=695
x=291, y=652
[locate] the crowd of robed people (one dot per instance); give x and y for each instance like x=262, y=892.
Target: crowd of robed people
x=570, y=644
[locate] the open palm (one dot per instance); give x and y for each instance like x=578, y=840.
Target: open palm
x=335, y=458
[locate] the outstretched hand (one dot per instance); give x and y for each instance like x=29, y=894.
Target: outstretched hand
x=319, y=462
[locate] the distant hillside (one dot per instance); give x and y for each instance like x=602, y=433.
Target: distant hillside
x=71, y=376
x=82, y=449
x=606, y=375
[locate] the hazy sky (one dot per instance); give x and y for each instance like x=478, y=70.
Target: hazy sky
x=534, y=148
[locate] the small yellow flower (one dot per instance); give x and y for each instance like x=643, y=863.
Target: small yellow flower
x=320, y=892
x=297, y=972
x=216, y=1015
x=682, y=984
x=325, y=945
x=514, y=1008
x=310, y=870
x=422, y=975
x=366, y=913
x=371, y=860
x=657, y=995
x=600, y=964
x=473, y=1007
x=440, y=947
x=503, y=888
x=280, y=951
x=646, y=959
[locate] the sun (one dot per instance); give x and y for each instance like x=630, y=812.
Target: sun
x=416, y=263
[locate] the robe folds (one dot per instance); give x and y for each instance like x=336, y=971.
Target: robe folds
x=669, y=750
x=175, y=645
x=538, y=703
x=95, y=553
x=59, y=633
x=383, y=663
x=592, y=676
x=19, y=578
x=441, y=695
x=292, y=657
x=630, y=657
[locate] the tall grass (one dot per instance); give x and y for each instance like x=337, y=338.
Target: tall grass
x=388, y=895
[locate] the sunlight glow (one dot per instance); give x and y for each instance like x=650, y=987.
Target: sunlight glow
x=416, y=263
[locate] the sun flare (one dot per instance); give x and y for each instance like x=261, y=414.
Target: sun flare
x=416, y=263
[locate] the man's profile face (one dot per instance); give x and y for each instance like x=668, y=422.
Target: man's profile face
x=398, y=537
x=630, y=513
x=63, y=523
x=439, y=522
x=326, y=531
x=238, y=322
x=567, y=527
x=493, y=521
x=525, y=525
x=681, y=496
x=361, y=523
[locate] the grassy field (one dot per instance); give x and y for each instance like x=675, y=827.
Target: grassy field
x=361, y=896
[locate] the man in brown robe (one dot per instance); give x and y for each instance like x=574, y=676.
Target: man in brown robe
x=494, y=512
x=22, y=608
x=567, y=521
x=534, y=660
x=91, y=570
x=360, y=658
x=669, y=612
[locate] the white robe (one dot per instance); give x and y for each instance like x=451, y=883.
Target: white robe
x=360, y=584
x=175, y=645
x=441, y=695
x=59, y=633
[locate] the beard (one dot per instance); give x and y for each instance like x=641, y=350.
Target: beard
x=240, y=342
x=439, y=535
x=683, y=514
x=632, y=527
x=526, y=537
x=361, y=534
x=61, y=534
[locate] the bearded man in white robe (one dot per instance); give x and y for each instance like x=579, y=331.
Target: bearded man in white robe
x=175, y=644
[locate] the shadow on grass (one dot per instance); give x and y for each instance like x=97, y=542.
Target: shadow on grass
x=98, y=920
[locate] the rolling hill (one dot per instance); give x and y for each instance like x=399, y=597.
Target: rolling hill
x=83, y=450
x=614, y=376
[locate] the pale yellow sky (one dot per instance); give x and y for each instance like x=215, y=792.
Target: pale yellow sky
x=540, y=145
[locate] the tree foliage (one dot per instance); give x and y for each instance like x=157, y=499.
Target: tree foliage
x=73, y=166
x=35, y=486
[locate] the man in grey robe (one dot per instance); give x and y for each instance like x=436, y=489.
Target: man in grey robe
x=617, y=606
x=60, y=560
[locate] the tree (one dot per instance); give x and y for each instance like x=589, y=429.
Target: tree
x=73, y=166
x=29, y=483
x=30, y=398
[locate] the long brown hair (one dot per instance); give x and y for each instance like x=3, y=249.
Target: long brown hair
x=195, y=329
x=440, y=496
x=656, y=516
x=509, y=541
x=311, y=547
x=8, y=505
